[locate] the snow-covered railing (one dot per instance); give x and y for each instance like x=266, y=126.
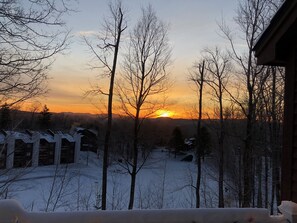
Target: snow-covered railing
x=12, y=212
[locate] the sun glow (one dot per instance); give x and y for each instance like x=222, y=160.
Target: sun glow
x=164, y=114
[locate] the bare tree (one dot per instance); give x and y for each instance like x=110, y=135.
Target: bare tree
x=273, y=100
x=35, y=106
x=59, y=190
x=252, y=17
x=197, y=76
x=108, y=47
x=218, y=66
x=144, y=77
x=32, y=33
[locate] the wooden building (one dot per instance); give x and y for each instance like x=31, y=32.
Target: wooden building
x=46, y=149
x=89, y=139
x=23, y=151
x=67, y=149
x=17, y=149
x=33, y=148
x=277, y=46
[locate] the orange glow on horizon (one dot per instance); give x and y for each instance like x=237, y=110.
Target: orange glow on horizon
x=164, y=114
x=180, y=103
x=174, y=111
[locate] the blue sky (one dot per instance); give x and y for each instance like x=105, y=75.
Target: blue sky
x=193, y=26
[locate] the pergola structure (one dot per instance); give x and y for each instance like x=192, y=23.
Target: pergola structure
x=277, y=46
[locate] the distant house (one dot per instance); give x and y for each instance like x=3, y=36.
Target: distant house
x=47, y=146
x=67, y=149
x=16, y=149
x=23, y=150
x=33, y=148
x=89, y=139
x=277, y=46
x=190, y=143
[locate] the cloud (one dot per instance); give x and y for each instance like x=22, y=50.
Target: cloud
x=87, y=33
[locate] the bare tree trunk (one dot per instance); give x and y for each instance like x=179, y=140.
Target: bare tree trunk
x=221, y=156
x=266, y=177
x=218, y=64
x=252, y=16
x=240, y=178
x=199, y=145
x=254, y=183
x=259, y=174
x=109, y=43
x=135, y=160
x=109, y=112
x=247, y=169
x=144, y=75
x=247, y=156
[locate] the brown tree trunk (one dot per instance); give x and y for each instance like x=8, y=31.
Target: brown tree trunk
x=109, y=112
x=199, y=145
x=266, y=177
x=135, y=160
x=259, y=174
x=247, y=166
x=221, y=154
x=240, y=178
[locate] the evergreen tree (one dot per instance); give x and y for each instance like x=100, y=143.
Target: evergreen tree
x=45, y=118
x=5, y=116
x=205, y=141
x=177, y=140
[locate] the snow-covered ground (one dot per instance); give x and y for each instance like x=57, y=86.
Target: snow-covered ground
x=163, y=182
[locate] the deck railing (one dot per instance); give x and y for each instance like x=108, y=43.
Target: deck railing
x=12, y=212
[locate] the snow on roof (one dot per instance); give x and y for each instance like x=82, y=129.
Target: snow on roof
x=81, y=129
x=2, y=138
x=27, y=137
x=67, y=137
x=19, y=135
x=46, y=136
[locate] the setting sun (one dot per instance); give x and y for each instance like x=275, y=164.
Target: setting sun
x=164, y=114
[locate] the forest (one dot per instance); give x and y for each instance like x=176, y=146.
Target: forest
x=241, y=130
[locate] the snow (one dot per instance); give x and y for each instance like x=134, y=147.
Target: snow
x=289, y=210
x=48, y=137
x=2, y=138
x=68, y=137
x=11, y=211
x=163, y=182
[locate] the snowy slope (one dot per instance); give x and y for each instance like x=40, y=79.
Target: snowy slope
x=163, y=182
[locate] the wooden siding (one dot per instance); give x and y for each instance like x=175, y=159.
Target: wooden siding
x=22, y=154
x=67, y=151
x=3, y=156
x=290, y=128
x=46, y=153
x=294, y=152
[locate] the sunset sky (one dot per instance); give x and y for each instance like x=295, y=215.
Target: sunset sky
x=193, y=26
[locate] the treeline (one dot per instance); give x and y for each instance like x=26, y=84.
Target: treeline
x=41, y=118
x=240, y=89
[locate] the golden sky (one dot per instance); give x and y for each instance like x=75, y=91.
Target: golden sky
x=193, y=26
